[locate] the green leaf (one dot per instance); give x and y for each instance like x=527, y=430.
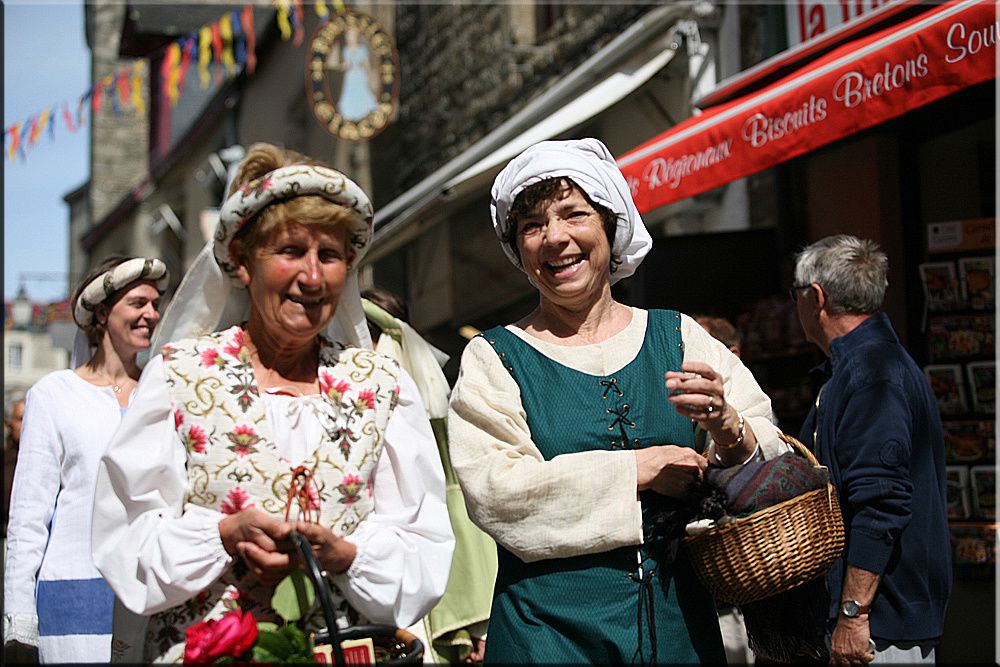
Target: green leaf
x=297, y=637
x=274, y=643
x=265, y=626
x=293, y=597
x=262, y=655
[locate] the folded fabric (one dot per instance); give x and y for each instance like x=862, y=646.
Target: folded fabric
x=759, y=484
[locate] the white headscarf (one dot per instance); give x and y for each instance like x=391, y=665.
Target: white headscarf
x=210, y=298
x=590, y=165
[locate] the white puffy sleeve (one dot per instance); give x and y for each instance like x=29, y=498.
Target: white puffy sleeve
x=153, y=554
x=33, y=499
x=535, y=508
x=404, y=546
x=741, y=389
x=156, y=554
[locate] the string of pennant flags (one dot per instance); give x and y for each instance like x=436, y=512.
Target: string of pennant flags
x=219, y=50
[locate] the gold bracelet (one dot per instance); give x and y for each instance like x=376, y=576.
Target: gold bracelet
x=739, y=438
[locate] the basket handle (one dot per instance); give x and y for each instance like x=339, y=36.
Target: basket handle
x=800, y=449
x=315, y=574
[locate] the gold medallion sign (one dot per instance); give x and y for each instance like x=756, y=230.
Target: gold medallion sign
x=352, y=76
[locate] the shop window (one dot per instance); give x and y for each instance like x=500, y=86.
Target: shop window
x=15, y=357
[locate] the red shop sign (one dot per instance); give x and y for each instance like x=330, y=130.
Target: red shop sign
x=859, y=85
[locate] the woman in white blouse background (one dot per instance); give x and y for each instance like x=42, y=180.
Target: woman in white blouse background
x=54, y=597
x=283, y=412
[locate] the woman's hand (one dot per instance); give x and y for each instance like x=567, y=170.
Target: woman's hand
x=698, y=394
x=478, y=651
x=668, y=469
x=261, y=541
x=334, y=553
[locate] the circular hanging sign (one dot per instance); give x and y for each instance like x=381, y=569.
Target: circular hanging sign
x=352, y=76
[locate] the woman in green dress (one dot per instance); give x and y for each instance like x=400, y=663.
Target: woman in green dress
x=571, y=429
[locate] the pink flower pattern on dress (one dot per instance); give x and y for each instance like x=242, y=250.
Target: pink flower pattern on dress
x=211, y=357
x=196, y=440
x=236, y=500
x=238, y=348
x=314, y=498
x=178, y=419
x=366, y=399
x=349, y=487
x=332, y=387
x=244, y=440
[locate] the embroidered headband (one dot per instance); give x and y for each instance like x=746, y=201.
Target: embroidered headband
x=287, y=183
x=103, y=286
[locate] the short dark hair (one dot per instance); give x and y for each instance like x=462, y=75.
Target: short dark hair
x=537, y=195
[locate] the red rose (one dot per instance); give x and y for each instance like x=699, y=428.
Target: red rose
x=232, y=635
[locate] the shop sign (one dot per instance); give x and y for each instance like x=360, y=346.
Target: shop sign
x=352, y=76
x=808, y=19
x=857, y=86
x=960, y=235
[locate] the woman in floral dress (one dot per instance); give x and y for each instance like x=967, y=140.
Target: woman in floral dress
x=54, y=597
x=283, y=412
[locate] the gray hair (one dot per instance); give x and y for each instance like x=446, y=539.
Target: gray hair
x=851, y=271
x=10, y=400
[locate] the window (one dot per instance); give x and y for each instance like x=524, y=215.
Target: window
x=15, y=354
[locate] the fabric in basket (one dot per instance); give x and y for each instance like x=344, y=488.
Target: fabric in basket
x=759, y=484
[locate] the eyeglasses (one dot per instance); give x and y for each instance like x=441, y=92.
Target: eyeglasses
x=793, y=291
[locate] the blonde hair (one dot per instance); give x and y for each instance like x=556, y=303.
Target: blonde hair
x=262, y=159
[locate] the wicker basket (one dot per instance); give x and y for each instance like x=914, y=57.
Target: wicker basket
x=772, y=550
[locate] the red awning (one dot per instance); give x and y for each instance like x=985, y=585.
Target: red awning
x=860, y=84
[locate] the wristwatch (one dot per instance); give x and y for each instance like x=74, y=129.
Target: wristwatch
x=853, y=608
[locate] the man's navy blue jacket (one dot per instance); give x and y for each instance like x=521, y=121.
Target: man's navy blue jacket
x=878, y=430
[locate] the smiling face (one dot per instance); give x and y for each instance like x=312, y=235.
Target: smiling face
x=132, y=318
x=564, y=249
x=295, y=277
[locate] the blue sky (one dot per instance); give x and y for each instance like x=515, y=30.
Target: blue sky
x=46, y=63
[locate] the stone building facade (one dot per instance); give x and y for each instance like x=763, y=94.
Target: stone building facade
x=119, y=145
x=467, y=67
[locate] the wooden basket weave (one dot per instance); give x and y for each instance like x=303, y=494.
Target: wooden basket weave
x=772, y=550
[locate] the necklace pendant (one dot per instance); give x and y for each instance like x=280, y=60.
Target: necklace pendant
x=117, y=389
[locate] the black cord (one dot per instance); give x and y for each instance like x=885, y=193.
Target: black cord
x=315, y=573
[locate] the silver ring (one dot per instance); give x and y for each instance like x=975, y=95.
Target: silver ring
x=709, y=409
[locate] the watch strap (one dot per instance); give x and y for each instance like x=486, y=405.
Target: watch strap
x=861, y=608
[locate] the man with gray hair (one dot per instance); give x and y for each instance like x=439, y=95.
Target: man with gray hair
x=875, y=425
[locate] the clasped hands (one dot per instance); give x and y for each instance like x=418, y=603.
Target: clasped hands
x=668, y=469
x=263, y=543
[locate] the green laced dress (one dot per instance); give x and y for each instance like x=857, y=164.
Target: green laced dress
x=627, y=605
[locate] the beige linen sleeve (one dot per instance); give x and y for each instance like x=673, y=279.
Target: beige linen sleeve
x=742, y=390
x=574, y=504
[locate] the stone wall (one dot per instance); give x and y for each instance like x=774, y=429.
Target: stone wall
x=467, y=68
x=119, y=144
